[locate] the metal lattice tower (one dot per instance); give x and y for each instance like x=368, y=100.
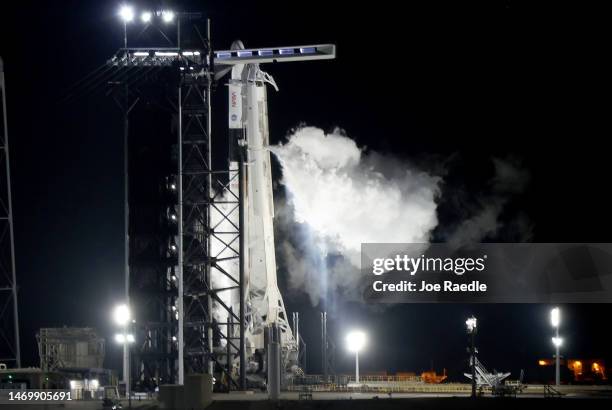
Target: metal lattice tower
x=9, y=317
x=175, y=295
x=194, y=215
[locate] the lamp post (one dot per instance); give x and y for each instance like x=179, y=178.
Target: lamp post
x=355, y=341
x=122, y=317
x=122, y=314
x=126, y=13
x=471, y=324
x=555, y=320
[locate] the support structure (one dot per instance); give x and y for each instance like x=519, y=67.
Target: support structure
x=328, y=350
x=472, y=329
x=324, y=366
x=189, y=310
x=213, y=291
x=301, y=344
x=557, y=358
x=9, y=317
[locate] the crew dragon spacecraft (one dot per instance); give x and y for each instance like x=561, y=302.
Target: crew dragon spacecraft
x=248, y=127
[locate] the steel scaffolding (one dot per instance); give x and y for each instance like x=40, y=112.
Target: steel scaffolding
x=9, y=317
x=202, y=231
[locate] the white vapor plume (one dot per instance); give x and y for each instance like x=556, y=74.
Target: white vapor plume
x=347, y=197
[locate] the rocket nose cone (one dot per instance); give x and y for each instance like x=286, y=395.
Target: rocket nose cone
x=237, y=45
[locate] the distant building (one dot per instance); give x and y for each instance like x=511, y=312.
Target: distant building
x=582, y=370
x=76, y=353
x=70, y=348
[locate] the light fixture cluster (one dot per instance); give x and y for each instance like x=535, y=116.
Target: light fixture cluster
x=555, y=321
x=122, y=316
x=471, y=324
x=127, y=14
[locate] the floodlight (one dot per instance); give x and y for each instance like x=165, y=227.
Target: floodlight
x=557, y=341
x=121, y=315
x=471, y=324
x=130, y=338
x=167, y=16
x=146, y=16
x=355, y=340
x=126, y=13
x=120, y=338
x=555, y=317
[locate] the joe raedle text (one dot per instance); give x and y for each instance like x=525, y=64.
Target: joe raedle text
x=423, y=286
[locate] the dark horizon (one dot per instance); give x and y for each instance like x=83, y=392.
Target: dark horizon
x=447, y=87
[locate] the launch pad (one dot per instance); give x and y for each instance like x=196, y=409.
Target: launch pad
x=201, y=269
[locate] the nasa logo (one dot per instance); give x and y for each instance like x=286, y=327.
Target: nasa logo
x=234, y=117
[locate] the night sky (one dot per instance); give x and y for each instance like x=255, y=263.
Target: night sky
x=446, y=86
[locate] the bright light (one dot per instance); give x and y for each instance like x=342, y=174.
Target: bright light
x=94, y=384
x=471, y=324
x=555, y=317
x=73, y=384
x=122, y=339
x=542, y=362
x=126, y=13
x=165, y=54
x=122, y=315
x=355, y=340
x=173, y=217
x=167, y=16
x=173, y=186
x=557, y=341
x=146, y=16
x=174, y=338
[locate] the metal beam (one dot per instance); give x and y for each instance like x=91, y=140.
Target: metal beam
x=8, y=278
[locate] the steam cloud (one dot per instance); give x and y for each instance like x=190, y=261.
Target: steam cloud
x=341, y=197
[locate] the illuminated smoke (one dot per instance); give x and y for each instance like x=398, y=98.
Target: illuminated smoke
x=342, y=197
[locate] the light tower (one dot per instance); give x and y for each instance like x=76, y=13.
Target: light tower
x=9, y=317
x=122, y=316
x=355, y=341
x=555, y=321
x=472, y=327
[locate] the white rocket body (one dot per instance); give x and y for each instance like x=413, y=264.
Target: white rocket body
x=248, y=124
x=249, y=111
